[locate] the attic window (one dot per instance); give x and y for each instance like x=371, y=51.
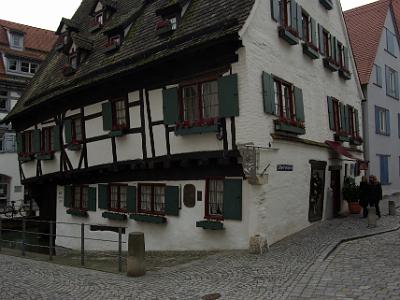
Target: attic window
x=99, y=19
x=16, y=40
x=115, y=40
x=167, y=25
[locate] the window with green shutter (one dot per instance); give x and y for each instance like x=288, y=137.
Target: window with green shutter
x=268, y=93
x=19, y=142
x=171, y=106
x=56, y=138
x=172, y=200
x=68, y=130
x=36, y=141
x=107, y=116
x=92, y=199
x=131, y=198
x=68, y=196
x=228, y=96
x=103, y=196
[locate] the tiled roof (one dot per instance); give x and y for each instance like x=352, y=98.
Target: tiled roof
x=204, y=21
x=365, y=25
x=34, y=38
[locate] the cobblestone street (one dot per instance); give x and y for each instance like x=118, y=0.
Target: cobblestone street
x=317, y=263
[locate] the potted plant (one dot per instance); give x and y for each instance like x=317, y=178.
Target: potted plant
x=351, y=194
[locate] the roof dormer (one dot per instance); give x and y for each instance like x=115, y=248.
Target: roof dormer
x=171, y=14
x=77, y=53
x=101, y=13
x=15, y=39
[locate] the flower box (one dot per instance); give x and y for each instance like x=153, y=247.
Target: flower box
x=163, y=27
x=196, y=129
x=77, y=212
x=211, y=225
x=148, y=218
x=357, y=141
x=114, y=216
x=74, y=146
x=116, y=133
x=288, y=36
x=327, y=4
x=341, y=137
x=286, y=126
x=68, y=70
x=45, y=156
x=111, y=48
x=330, y=64
x=345, y=74
x=25, y=157
x=309, y=50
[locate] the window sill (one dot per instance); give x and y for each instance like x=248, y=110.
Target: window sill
x=211, y=225
x=310, y=51
x=74, y=147
x=45, y=156
x=148, y=218
x=196, y=130
x=330, y=65
x=289, y=37
x=25, y=158
x=356, y=141
x=77, y=212
x=327, y=4
x=116, y=133
x=341, y=138
x=111, y=48
x=283, y=127
x=114, y=216
x=345, y=74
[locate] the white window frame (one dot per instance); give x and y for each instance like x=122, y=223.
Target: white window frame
x=377, y=75
x=15, y=36
x=390, y=42
x=32, y=67
x=392, y=82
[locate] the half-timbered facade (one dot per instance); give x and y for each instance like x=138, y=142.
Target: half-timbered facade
x=22, y=49
x=204, y=124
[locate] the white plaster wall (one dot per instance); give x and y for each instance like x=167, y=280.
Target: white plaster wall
x=282, y=204
x=179, y=233
x=376, y=96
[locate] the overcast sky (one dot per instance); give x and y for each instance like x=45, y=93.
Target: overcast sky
x=48, y=13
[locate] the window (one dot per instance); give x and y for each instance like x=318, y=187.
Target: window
x=174, y=23
x=214, y=198
x=384, y=168
x=151, y=198
x=307, y=27
x=4, y=186
x=8, y=142
x=24, y=67
x=392, y=83
x=114, y=40
x=76, y=129
x=4, y=101
x=16, y=40
x=200, y=102
x=119, y=114
x=377, y=73
x=390, y=42
x=27, y=142
x=27, y=67
x=382, y=121
x=80, y=197
x=73, y=60
x=12, y=64
x=351, y=120
x=284, y=99
x=118, y=197
x=99, y=19
x=46, y=140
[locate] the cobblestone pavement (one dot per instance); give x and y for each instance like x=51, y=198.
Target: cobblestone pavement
x=293, y=268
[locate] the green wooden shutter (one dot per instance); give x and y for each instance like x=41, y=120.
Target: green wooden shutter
x=232, y=209
x=68, y=131
x=331, y=114
x=103, y=196
x=92, y=196
x=299, y=105
x=346, y=58
x=131, y=198
x=356, y=122
x=68, y=196
x=107, y=116
x=275, y=10
x=322, y=49
x=228, y=96
x=342, y=116
x=171, y=106
x=346, y=118
x=55, y=135
x=268, y=93
x=314, y=39
x=387, y=119
x=299, y=20
x=293, y=14
x=172, y=200
x=36, y=141
x=332, y=42
x=19, y=142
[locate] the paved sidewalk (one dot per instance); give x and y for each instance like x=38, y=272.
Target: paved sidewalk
x=286, y=271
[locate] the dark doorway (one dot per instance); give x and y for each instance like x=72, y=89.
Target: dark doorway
x=335, y=186
x=317, y=190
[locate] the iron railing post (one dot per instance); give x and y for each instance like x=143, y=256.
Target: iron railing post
x=82, y=244
x=120, y=249
x=23, y=237
x=51, y=241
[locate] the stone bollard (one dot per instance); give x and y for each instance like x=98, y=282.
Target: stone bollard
x=392, y=208
x=372, y=217
x=136, y=252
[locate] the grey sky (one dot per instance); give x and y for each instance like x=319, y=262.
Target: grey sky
x=48, y=13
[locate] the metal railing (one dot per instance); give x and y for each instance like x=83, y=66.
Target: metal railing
x=51, y=235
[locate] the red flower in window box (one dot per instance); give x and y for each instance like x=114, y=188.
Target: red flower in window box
x=75, y=142
x=162, y=23
x=210, y=121
x=185, y=124
x=118, y=127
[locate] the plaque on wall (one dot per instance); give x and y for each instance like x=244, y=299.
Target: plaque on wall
x=189, y=195
x=199, y=195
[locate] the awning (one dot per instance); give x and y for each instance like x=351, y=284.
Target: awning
x=338, y=148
